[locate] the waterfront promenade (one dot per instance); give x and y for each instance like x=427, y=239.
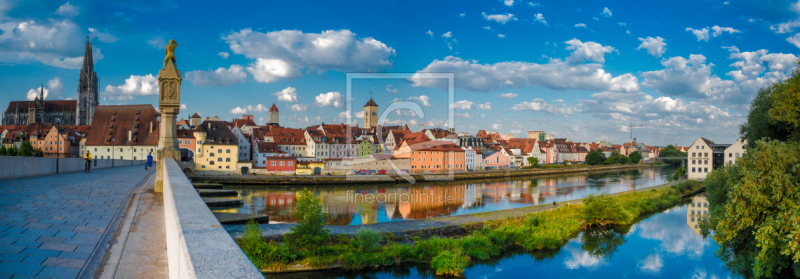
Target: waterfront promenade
x=78, y=224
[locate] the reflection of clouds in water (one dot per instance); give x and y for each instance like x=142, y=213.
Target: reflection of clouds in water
x=652, y=264
x=673, y=233
x=581, y=258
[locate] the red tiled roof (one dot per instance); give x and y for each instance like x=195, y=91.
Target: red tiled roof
x=371, y=103
x=273, y=108
x=185, y=134
x=115, y=121
x=243, y=122
x=195, y=115
x=268, y=147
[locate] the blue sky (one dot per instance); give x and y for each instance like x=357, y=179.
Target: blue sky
x=582, y=70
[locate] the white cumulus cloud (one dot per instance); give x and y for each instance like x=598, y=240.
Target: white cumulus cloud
x=299, y=107
x=330, y=99
x=654, y=46
x=501, y=18
x=55, y=86
x=224, y=55
x=606, y=12
x=588, y=51
x=538, y=104
x=288, y=94
x=540, y=18
x=283, y=54
x=220, y=77
x=508, y=2
x=486, y=105
x=238, y=110
x=422, y=100
x=507, y=95
x=67, y=10
x=133, y=86
x=580, y=25
x=463, y=104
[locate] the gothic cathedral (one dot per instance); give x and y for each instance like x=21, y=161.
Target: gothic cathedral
x=87, y=89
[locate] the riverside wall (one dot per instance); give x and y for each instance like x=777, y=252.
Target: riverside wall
x=372, y=179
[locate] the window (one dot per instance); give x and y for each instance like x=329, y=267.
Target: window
x=290, y=164
x=692, y=169
x=211, y=163
x=219, y=159
x=730, y=155
x=227, y=151
x=693, y=154
x=272, y=163
x=227, y=167
x=219, y=150
x=281, y=163
x=705, y=169
x=204, y=166
x=227, y=159
x=211, y=154
x=737, y=155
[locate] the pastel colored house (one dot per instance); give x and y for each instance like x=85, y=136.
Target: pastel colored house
x=496, y=160
x=310, y=168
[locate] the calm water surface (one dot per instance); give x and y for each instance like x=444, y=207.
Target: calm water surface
x=367, y=204
x=663, y=245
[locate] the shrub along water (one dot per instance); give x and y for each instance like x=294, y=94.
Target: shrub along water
x=546, y=230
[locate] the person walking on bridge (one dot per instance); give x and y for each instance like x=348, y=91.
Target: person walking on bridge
x=149, y=160
x=88, y=158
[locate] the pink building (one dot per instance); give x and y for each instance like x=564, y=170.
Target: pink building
x=496, y=160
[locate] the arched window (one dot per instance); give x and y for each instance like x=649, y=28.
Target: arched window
x=227, y=151
x=219, y=159
x=227, y=159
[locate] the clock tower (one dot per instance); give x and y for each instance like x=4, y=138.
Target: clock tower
x=370, y=114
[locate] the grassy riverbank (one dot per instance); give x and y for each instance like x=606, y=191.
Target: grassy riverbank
x=547, y=230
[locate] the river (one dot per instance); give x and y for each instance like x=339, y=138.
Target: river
x=662, y=245
x=359, y=204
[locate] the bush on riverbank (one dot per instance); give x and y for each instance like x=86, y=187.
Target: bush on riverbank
x=546, y=230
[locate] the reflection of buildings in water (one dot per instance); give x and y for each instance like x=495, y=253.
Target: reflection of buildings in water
x=279, y=206
x=695, y=211
x=469, y=195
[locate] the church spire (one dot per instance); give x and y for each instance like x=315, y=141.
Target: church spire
x=88, y=64
x=41, y=91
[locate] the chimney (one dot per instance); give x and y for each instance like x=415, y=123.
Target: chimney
x=151, y=127
x=209, y=125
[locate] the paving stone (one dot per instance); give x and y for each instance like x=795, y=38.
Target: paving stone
x=41, y=232
x=14, y=257
x=74, y=255
x=51, y=239
x=58, y=246
x=22, y=236
x=37, y=225
x=65, y=234
x=59, y=272
x=34, y=259
x=15, y=230
x=65, y=262
x=92, y=236
x=40, y=252
x=6, y=241
x=24, y=269
x=11, y=248
x=81, y=241
x=51, y=221
x=27, y=243
x=89, y=229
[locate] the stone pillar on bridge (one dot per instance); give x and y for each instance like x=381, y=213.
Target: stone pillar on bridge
x=169, y=102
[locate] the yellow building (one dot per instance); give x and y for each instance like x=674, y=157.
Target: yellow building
x=310, y=168
x=217, y=148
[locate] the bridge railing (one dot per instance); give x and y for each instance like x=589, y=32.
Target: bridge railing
x=197, y=244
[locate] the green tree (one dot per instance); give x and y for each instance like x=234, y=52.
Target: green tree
x=38, y=152
x=533, y=161
x=678, y=173
x=595, y=157
x=11, y=151
x=609, y=161
x=624, y=159
x=671, y=151
x=2, y=150
x=635, y=157
x=768, y=114
x=25, y=149
x=753, y=211
x=310, y=227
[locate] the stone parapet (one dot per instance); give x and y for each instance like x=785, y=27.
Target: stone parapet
x=21, y=166
x=197, y=244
